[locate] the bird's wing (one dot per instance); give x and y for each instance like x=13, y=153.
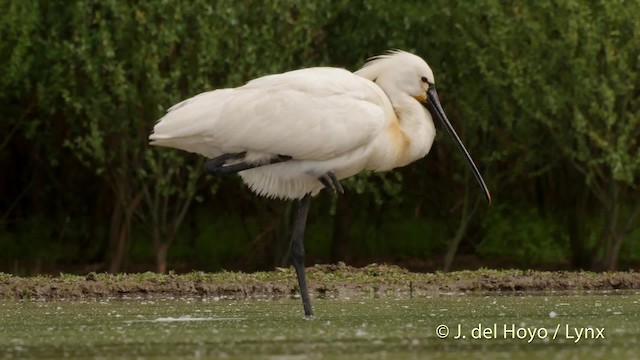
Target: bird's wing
x=312, y=114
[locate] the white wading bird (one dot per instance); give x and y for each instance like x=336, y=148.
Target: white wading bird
x=290, y=135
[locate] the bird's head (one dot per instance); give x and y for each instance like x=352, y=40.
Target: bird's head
x=408, y=74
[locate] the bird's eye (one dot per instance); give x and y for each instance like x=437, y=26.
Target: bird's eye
x=424, y=80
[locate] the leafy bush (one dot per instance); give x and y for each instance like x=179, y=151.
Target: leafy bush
x=524, y=236
x=544, y=94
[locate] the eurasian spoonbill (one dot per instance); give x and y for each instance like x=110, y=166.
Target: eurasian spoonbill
x=290, y=135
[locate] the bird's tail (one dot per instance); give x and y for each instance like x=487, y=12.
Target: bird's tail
x=187, y=125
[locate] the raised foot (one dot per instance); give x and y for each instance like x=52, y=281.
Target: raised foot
x=331, y=182
x=218, y=165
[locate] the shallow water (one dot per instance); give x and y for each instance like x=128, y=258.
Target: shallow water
x=595, y=325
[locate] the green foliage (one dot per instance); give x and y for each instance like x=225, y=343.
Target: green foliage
x=413, y=238
x=31, y=240
x=543, y=93
x=631, y=249
x=571, y=66
x=523, y=236
x=384, y=188
x=220, y=239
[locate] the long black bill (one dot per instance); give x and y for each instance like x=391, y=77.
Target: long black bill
x=437, y=111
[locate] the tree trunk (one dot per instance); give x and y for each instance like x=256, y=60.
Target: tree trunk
x=614, y=243
x=610, y=261
x=120, y=228
x=465, y=219
x=452, y=249
x=341, y=227
x=611, y=238
x=161, y=251
x=116, y=241
x=120, y=242
x=282, y=236
x=576, y=222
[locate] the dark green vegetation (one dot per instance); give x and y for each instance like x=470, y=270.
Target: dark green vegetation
x=545, y=94
x=356, y=328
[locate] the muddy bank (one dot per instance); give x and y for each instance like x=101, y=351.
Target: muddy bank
x=324, y=280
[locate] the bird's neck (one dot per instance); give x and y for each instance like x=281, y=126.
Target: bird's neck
x=416, y=125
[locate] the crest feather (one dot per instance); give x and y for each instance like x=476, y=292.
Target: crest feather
x=375, y=65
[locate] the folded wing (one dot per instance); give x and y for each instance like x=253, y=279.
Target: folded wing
x=311, y=114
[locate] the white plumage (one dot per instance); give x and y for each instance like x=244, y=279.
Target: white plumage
x=290, y=135
x=326, y=119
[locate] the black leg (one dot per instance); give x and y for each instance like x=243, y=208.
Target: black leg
x=216, y=166
x=297, y=252
x=331, y=182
